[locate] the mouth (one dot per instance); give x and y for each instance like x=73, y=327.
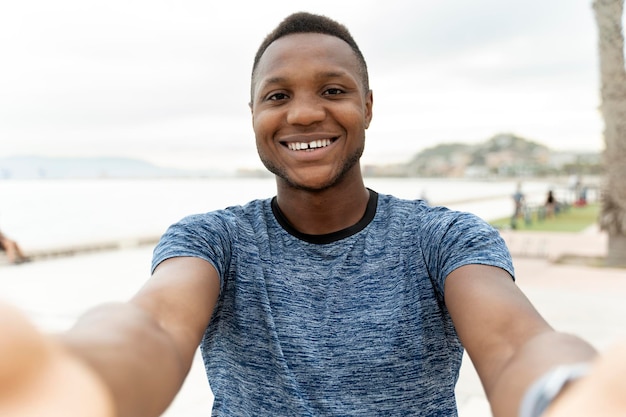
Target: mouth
x=309, y=146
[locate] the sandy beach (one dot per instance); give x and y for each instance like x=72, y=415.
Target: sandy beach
x=574, y=297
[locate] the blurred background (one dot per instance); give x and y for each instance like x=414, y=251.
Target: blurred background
x=168, y=82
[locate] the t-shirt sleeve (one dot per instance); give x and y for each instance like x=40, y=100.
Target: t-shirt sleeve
x=462, y=239
x=204, y=236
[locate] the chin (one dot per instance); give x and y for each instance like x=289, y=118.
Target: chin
x=311, y=185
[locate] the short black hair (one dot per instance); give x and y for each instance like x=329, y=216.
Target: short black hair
x=303, y=22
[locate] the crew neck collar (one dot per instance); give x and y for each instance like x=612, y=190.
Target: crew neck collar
x=368, y=216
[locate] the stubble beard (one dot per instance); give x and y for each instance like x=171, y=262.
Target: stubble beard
x=346, y=165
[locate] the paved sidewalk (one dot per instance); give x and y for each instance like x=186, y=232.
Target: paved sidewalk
x=588, y=301
x=557, y=246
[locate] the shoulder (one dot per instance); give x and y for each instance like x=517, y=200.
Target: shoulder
x=434, y=219
x=447, y=238
x=436, y=227
x=390, y=206
x=226, y=218
x=211, y=235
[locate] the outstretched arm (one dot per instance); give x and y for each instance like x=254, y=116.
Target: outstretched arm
x=509, y=343
x=125, y=359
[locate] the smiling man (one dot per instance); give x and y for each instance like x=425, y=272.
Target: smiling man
x=328, y=299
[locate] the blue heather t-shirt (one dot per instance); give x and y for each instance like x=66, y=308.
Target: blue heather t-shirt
x=347, y=324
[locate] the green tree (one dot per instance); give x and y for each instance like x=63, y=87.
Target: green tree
x=608, y=15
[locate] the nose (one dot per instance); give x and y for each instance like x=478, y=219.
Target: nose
x=305, y=110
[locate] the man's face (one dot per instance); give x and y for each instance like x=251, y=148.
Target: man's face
x=309, y=110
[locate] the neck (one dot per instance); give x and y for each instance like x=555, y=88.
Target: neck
x=324, y=211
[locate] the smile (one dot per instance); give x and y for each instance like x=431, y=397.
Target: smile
x=315, y=144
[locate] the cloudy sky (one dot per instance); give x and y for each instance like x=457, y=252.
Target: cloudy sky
x=168, y=81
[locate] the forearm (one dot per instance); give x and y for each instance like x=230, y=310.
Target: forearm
x=135, y=358
x=539, y=355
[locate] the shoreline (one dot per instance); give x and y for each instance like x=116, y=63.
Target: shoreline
x=84, y=248
x=52, y=219
x=587, y=247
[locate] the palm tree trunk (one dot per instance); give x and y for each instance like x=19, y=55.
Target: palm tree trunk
x=608, y=14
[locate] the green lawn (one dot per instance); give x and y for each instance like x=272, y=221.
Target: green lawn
x=572, y=219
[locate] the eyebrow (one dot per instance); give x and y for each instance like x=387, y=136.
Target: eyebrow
x=321, y=77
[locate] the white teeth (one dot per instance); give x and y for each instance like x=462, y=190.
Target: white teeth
x=298, y=146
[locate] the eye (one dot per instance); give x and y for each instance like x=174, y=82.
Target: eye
x=277, y=97
x=333, y=92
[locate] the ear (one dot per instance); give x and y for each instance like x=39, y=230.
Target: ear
x=369, y=103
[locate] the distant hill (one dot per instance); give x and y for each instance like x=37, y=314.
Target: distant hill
x=503, y=151
x=503, y=155
x=18, y=167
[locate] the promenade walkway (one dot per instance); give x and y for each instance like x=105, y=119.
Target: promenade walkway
x=573, y=296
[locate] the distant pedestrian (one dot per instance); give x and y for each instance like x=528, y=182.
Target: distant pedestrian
x=519, y=202
x=12, y=249
x=550, y=205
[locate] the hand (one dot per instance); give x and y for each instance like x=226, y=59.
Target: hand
x=39, y=378
x=601, y=393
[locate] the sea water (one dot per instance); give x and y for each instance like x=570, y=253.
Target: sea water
x=44, y=214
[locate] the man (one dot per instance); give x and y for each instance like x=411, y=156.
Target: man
x=327, y=300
